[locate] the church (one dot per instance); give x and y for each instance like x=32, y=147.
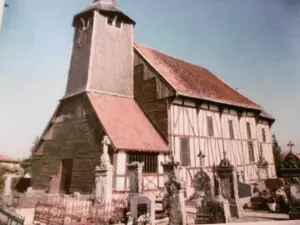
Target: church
x=150, y=106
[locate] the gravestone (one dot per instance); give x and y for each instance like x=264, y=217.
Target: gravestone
x=142, y=205
x=262, y=166
x=211, y=207
x=291, y=173
x=229, y=186
x=135, y=175
x=175, y=198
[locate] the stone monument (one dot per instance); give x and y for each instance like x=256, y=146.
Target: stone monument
x=135, y=175
x=175, y=197
x=291, y=173
x=104, y=176
x=262, y=166
x=229, y=186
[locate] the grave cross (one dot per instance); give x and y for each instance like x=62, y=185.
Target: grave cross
x=105, y=160
x=201, y=156
x=290, y=145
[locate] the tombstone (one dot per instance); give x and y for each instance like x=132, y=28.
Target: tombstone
x=175, y=197
x=135, y=175
x=141, y=206
x=229, y=186
x=104, y=176
x=203, y=193
x=291, y=173
x=262, y=166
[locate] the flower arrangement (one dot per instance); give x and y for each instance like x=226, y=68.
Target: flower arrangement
x=144, y=219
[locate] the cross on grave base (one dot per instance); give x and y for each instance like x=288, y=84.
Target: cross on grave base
x=291, y=145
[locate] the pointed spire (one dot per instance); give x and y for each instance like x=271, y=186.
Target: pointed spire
x=113, y=2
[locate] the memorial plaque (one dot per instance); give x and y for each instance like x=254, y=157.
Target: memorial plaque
x=227, y=189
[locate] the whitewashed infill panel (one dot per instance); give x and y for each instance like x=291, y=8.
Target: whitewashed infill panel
x=175, y=119
x=195, y=122
x=190, y=121
x=201, y=123
x=177, y=149
x=181, y=120
x=197, y=151
x=185, y=121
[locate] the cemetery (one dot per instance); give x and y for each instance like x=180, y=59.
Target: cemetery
x=217, y=198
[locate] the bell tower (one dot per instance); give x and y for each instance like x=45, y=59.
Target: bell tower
x=102, y=54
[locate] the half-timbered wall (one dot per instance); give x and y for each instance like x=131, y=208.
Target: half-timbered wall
x=151, y=181
x=189, y=121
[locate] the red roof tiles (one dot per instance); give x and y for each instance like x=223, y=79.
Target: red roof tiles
x=192, y=80
x=8, y=159
x=126, y=124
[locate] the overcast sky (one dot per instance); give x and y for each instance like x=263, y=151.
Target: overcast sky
x=254, y=45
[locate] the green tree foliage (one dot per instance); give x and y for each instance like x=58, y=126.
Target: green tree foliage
x=26, y=163
x=277, y=155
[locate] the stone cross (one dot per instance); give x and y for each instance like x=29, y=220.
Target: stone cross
x=201, y=156
x=105, y=160
x=290, y=145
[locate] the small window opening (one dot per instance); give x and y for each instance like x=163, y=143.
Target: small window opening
x=110, y=20
x=118, y=23
x=210, y=126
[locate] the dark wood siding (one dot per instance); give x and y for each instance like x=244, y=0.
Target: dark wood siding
x=77, y=137
x=146, y=96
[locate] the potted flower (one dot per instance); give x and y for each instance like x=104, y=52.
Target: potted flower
x=272, y=203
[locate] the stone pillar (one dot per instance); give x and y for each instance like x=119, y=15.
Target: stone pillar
x=135, y=174
x=104, y=176
x=7, y=185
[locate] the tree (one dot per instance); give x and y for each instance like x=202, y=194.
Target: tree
x=26, y=163
x=277, y=155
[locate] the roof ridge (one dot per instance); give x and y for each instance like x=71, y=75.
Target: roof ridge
x=110, y=94
x=193, y=64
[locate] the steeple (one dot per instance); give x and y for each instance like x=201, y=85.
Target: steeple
x=102, y=55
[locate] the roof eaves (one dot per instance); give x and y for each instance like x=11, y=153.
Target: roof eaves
x=219, y=101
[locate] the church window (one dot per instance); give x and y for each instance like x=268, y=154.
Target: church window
x=231, y=134
x=251, y=151
x=150, y=160
x=185, y=151
x=210, y=126
x=248, y=130
x=264, y=135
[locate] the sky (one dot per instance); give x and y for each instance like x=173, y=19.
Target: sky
x=253, y=45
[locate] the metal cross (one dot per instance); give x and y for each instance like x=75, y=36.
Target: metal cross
x=201, y=156
x=291, y=145
x=224, y=154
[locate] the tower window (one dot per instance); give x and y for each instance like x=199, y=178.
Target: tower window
x=231, y=134
x=118, y=23
x=185, y=151
x=110, y=20
x=210, y=126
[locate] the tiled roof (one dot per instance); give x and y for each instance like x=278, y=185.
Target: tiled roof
x=264, y=114
x=8, y=159
x=126, y=124
x=192, y=80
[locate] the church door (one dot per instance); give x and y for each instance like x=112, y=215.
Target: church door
x=66, y=175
